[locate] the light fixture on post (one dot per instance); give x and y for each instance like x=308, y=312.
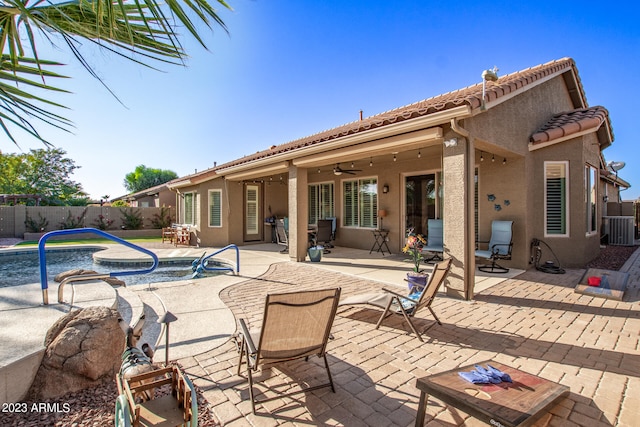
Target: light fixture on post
x=382, y=214
x=385, y=188
x=166, y=319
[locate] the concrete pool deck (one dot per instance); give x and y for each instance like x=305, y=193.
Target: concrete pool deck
x=195, y=302
x=534, y=322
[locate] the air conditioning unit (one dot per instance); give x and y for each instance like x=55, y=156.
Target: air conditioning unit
x=620, y=230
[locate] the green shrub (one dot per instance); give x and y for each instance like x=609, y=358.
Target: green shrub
x=34, y=226
x=162, y=219
x=73, y=222
x=102, y=223
x=131, y=219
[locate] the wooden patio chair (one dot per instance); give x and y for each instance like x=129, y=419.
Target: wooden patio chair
x=407, y=306
x=295, y=325
x=169, y=234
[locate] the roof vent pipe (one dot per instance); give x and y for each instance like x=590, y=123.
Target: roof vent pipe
x=488, y=76
x=360, y=115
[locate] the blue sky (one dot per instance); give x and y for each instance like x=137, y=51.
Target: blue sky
x=289, y=69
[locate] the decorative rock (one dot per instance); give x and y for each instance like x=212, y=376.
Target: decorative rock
x=83, y=350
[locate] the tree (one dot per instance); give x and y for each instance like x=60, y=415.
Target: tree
x=143, y=177
x=143, y=31
x=45, y=172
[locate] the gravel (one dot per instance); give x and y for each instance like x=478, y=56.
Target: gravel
x=93, y=407
x=612, y=257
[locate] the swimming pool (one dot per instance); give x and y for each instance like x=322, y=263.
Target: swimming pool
x=24, y=268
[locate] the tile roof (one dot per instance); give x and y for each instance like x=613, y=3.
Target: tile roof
x=571, y=122
x=471, y=96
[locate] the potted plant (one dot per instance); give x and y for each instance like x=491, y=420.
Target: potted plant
x=315, y=253
x=413, y=247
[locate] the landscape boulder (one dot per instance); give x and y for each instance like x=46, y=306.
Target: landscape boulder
x=83, y=349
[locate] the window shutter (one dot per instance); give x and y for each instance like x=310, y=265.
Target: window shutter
x=556, y=193
x=215, y=209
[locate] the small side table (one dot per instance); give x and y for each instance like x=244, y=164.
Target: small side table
x=519, y=403
x=380, y=240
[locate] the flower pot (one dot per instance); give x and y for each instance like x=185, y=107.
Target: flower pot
x=418, y=280
x=315, y=253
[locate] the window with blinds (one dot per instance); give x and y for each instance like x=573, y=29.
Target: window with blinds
x=188, y=208
x=321, y=204
x=360, y=199
x=556, y=198
x=591, y=190
x=215, y=208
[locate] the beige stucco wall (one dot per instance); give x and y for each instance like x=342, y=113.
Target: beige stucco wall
x=502, y=131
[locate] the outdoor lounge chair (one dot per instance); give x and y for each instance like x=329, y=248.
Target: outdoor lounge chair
x=435, y=241
x=323, y=234
x=281, y=235
x=499, y=247
x=295, y=325
x=406, y=305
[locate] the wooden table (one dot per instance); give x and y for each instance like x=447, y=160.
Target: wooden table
x=519, y=403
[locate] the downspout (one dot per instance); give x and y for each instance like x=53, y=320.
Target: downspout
x=469, y=257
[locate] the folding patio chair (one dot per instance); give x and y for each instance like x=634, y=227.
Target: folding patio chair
x=295, y=325
x=281, y=235
x=499, y=247
x=406, y=305
x=435, y=240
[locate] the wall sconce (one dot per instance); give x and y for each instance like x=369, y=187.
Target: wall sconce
x=481, y=156
x=385, y=189
x=605, y=198
x=451, y=142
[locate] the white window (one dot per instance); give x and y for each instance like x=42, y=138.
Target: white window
x=190, y=208
x=591, y=190
x=215, y=208
x=321, y=204
x=556, y=199
x=360, y=203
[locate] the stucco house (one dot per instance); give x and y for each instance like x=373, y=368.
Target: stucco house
x=154, y=197
x=524, y=147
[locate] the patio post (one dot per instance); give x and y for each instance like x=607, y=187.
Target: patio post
x=298, y=213
x=458, y=169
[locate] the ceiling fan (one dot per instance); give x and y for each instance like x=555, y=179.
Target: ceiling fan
x=339, y=171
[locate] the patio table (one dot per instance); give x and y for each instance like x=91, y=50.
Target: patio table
x=519, y=403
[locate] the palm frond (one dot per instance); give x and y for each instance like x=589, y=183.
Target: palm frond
x=143, y=31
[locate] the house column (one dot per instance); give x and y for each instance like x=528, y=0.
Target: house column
x=459, y=175
x=298, y=213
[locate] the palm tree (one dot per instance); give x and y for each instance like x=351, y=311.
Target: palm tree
x=143, y=31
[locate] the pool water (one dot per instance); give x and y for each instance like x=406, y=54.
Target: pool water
x=21, y=269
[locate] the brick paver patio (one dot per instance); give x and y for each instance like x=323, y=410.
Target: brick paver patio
x=534, y=322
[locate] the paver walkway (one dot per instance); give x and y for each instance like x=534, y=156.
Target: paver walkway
x=534, y=322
